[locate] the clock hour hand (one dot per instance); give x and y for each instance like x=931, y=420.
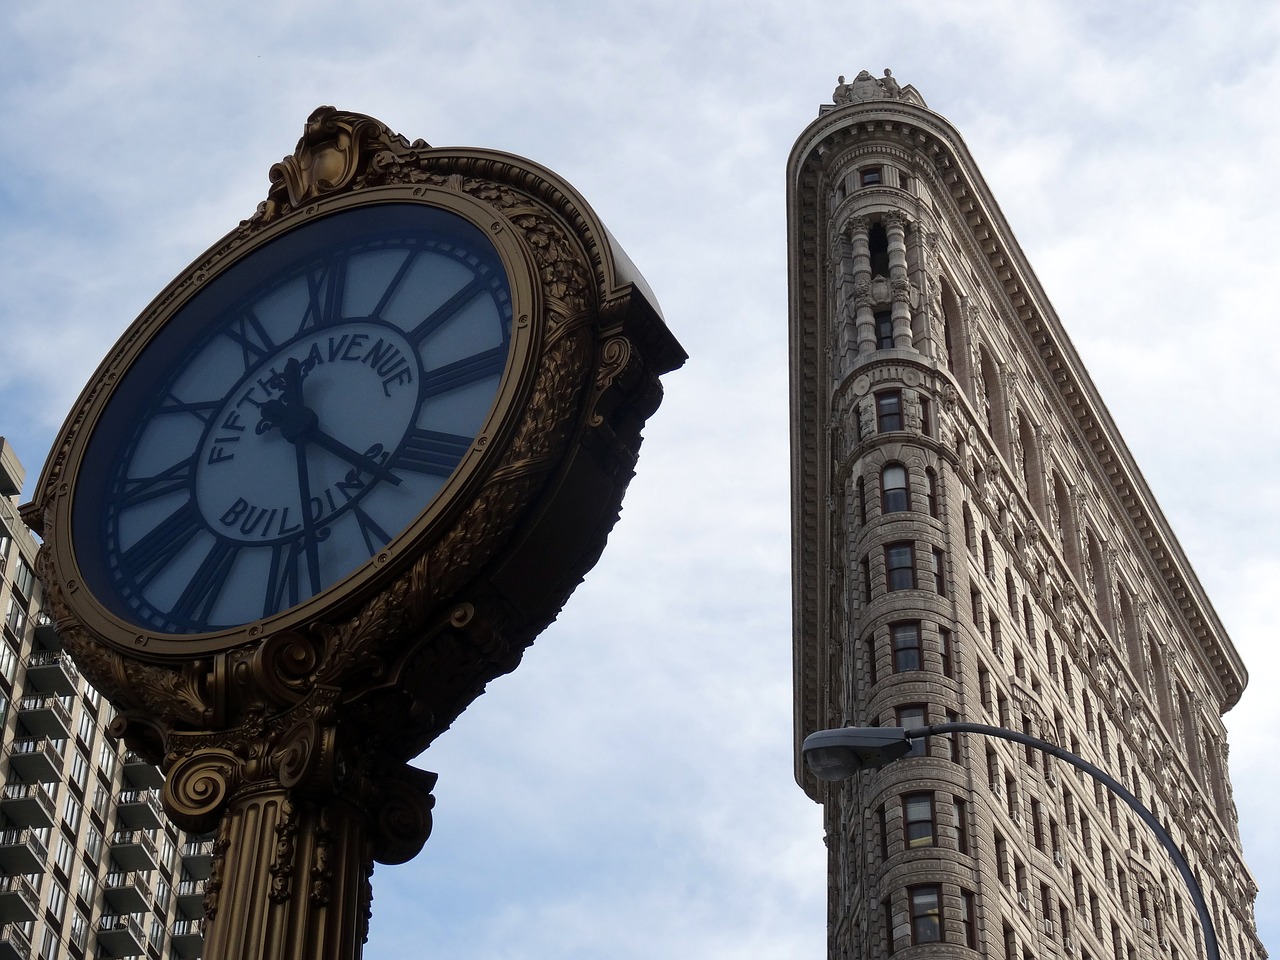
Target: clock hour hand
x=357, y=460
x=287, y=412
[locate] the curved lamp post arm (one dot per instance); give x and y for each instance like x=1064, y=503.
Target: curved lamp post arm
x=1202, y=909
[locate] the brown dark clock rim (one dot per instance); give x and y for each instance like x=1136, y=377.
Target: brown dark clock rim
x=343, y=597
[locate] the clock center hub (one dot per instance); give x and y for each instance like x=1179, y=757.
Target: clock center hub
x=327, y=409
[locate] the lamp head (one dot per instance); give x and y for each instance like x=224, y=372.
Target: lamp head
x=839, y=754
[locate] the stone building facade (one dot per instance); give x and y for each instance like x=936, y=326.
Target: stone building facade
x=973, y=541
x=89, y=865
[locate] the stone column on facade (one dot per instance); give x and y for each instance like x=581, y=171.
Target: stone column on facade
x=895, y=231
x=860, y=234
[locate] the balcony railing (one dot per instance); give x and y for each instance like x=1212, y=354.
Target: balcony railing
x=27, y=804
x=139, y=808
x=47, y=715
x=22, y=851
x=13, y=942
x=53, y=671
x=36, y=758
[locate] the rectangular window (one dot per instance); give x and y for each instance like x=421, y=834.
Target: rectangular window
x=93, y=844
x=87, y=728
x=16, y=617
x=918, y=828
x=872, y=673
x=57, y=903
x=884, y=330
x=101, y=801
x=49, y=943
x=900, y=565
x=953, y=739
x=79, y=770
x=66, y=856
x=944, y=651
x=926, y=913
x=968, y=927
x=71, y=813
x=906, y=646
x=960, y=814
x=884, y=832
x=926, y=421
x=8, y=661
x=975, y=609
x=939, y=572
x=24, y=579
x=107, y=759
x=889, y=411
x=79, y=930
x=910, y=716
x=869, y=176
x=866, y=580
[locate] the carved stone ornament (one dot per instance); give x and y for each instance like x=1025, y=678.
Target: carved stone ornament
x=291, y=736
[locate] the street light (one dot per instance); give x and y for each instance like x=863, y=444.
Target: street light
x=840, y=753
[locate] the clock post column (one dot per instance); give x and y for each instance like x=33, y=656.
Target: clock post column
x=300, y=819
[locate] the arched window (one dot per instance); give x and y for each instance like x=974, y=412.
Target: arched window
x=894, y=493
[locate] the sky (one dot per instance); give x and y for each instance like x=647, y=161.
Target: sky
x=628, y=791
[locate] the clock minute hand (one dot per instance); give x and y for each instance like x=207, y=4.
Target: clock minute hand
x=360, y=461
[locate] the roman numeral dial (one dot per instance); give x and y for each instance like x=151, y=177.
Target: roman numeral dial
x=295, y=418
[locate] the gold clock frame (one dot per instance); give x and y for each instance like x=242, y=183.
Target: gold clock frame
x=456, y=503
x=291, y=737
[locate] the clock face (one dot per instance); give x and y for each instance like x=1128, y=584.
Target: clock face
x=292, y=418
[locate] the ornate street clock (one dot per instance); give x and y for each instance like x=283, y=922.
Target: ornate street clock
x=334, y=479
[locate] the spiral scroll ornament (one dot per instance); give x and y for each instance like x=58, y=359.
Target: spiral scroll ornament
x=402, y=821
x=198, y=786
